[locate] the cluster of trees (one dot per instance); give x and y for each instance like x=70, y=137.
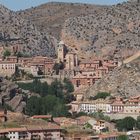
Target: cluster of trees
x=101, y=95
x=100, y=115
x=47, y=105
x=128, y=124
x=122, y=137
x=58, y=66
x=52, y=97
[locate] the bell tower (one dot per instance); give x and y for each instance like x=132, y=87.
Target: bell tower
x=60, y=51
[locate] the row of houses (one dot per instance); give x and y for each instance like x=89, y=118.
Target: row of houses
x=91, y=71
x=83, y=72
x=117, y=105
x=32, y=65
x=49, y=132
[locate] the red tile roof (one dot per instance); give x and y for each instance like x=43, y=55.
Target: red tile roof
x=41, y=116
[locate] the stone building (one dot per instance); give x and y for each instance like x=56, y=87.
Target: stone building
x=61, y=51
x=69, y=59
x=49, y=132
x=7, y=68
x=91, y=71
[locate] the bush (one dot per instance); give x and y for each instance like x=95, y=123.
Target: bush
x=101, y=95
x=6, y=53
x=68, y=85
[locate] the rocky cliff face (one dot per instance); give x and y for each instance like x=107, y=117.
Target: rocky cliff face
x=123, y=81
x=16, y=31
x=113, y=32
x=12, y=95
x=100, y=31
x=50, y=17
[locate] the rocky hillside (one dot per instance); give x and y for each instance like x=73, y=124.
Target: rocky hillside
x=50, y=17
x=123, y=81
x=114, y=32
x=13, y=96
x=16, y=31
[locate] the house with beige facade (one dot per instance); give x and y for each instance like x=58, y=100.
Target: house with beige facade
x=7, y=68
x=49, y=132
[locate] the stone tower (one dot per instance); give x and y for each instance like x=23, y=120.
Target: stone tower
x=60, y=51
x=71, y=60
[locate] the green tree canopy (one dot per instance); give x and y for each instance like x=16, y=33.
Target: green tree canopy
x=138, y=122
x=101, y=95
x=122, y=137
x=68, y=85
x=58, y=66
x=6, y=53
x=126, y=124
x=19, y=54
x=52, y=98
x=46, y=105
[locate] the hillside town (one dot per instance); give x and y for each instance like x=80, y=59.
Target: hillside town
x=82, y=74
x=70, y=71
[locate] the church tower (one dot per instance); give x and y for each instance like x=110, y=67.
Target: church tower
x=61, y=51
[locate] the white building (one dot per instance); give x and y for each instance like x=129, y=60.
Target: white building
x=17, y=133
x=87, y=107
x=97, y=125
x=51, y=132
x=7, y=68
x=94, y=106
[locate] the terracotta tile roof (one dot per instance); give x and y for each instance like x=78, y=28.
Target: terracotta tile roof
x=102, y=68
x=108, y=135
x=13, y=130
x=90, y=61
x=13, y=57
x=41, y=116
x=51, y=126
x=6, y=62
x=34, y=128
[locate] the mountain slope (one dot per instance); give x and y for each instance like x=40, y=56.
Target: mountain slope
x=123, y=81
x=50, y=17
x=133, y=57
x=114, y=32
x=16, y=31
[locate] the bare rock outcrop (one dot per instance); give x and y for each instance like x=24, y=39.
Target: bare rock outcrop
x=51, y=16
x=18, y=34
x=12, y=95
x=114, y=32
